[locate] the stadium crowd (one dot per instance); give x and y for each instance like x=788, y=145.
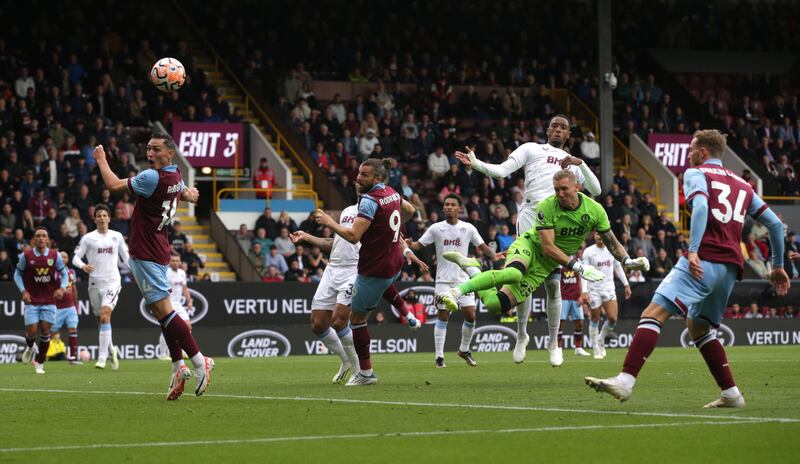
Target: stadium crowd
x=59, y=99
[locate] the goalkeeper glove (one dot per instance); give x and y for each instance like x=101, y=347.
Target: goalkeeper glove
x=589, y=273
x=637, y=264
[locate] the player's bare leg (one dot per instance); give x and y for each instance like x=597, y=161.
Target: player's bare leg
x=611, y=309
x=644, y=342
x=176, y=331
x=467, y=329
x=30, y=342
x=361, y=341
x=552, y=286
x=44, y=345
x=713, y=352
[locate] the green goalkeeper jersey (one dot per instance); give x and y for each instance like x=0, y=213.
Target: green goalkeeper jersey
x=571, y=226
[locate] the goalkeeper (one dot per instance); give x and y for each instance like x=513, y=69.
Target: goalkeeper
x=563, y=221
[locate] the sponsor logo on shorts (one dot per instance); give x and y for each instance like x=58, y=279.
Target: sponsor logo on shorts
x=198, y=311
x=11, y=346
x=493, y=338
x=724, y=334
x=260, y=343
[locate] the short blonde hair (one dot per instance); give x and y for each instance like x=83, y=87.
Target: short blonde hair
x=712, y=140
x=565, y=173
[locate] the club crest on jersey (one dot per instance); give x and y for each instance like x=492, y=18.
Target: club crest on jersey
x=585, y=218
x=50, y=262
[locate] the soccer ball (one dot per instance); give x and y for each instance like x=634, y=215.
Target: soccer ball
x=167, y=74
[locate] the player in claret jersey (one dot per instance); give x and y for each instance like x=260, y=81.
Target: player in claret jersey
x=572, y=307
x=42, y=277
x=381, y=212
x=541, y=162
x=698, y=286
x=158, y=190
x=67, y=313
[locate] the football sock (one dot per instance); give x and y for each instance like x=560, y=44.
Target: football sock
x=44, y=345
x=560, y=339
x=30, y=340
x=104, y=341
x=490, y=280
x=553, y=308
x=467, y=328
x=644, y=342
x=73, y=345
x=393, y=296
x=577, y=338
x=608, y=327
x=439, y=335
x=346, y=337
x=172, y=347
x=523, y=312
x=717, y=361
x=593, y=332
x=176, y=365
x=333, y=344
x=176, y=329
x=361, y=341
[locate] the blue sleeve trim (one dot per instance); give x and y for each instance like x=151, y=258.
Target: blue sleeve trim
x=367, y=209
x=699, y=222
x=145, y=183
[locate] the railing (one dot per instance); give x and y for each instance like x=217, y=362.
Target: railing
x=249, y=100
x=233, y=253
x=267, y=192
x=779, y=198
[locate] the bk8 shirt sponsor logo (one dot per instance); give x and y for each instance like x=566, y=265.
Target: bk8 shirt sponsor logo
x=259, y=343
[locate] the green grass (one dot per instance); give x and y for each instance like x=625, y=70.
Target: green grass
x=257, y=403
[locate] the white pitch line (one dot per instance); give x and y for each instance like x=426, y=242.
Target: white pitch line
x=424, y=404
x=243, y=441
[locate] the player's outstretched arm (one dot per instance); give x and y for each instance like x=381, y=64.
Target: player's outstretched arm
x=407, y=211
x=590, y=181
x=352, y=235
x=618, y=251
x=551, y=250
x=505, y=169
x=324, y=244
x=488, y=251
x=112, y=182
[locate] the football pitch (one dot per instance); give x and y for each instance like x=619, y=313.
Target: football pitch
x=286, y=409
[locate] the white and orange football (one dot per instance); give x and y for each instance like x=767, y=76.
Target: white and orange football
x=168, y=74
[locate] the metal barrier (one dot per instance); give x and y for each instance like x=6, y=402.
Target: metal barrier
x=267, y=192
x=249, y=101
x=232, y=251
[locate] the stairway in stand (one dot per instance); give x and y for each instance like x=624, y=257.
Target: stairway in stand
x=205, y=247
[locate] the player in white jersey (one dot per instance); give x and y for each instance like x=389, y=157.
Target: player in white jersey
x=602, y=293
x=448, y=237
x=103, y=248
x=179, y=294
x=330, y=307
x=541, y=162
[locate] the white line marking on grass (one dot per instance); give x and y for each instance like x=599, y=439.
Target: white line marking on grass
x=424, y=404
x=242, y=441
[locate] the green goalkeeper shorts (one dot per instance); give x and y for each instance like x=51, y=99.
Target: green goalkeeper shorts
x=538, y=265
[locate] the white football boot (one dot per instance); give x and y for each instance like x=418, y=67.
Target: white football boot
x=612, y=385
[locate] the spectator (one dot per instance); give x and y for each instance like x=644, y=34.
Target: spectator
x=621, y=180
x=662, y=264
x=276, y=260
x=753, y=312
x=284, y=243
x=758, y=265
x=262, y=240
x=284, y=220
x=264, y=178
x=256, y=257
x=647, y=207
x=243, y=237
x=272, y=275
x=643, y=242
x=6, y=266
x=266, y=222
x=192, y=260
x=590, y=150
x=8, y=220
x=177, y=238
x=366, y=146
x=438, y=163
